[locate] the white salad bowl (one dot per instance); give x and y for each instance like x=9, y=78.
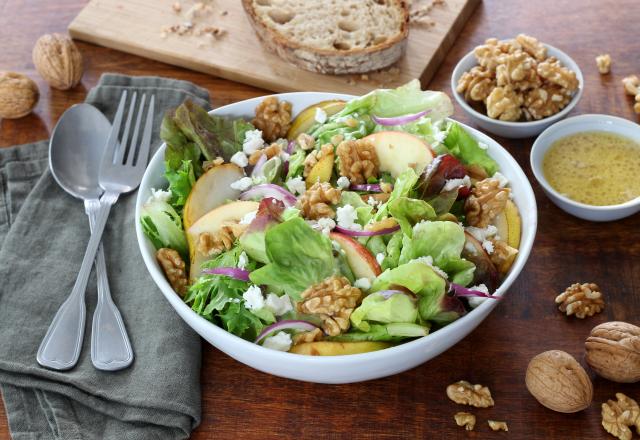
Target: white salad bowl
x=574, y=125
x=346, y=368
x=515, y=130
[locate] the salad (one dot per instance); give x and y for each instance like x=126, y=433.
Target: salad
x=350, y=228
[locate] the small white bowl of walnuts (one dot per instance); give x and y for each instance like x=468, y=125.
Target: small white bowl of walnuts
x=516, y=88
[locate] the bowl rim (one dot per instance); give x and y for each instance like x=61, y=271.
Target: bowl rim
x=457, y=72
x=543, y=144
x=448, y=331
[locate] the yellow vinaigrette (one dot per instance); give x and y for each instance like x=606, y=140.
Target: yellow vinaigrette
x=594, y=167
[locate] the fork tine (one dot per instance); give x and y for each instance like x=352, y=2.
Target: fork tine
x=145, y=143
x=112, y=140
x=136, y=130
x=125, y=135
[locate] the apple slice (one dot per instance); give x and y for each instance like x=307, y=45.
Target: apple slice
x=398, y=151
x=362, y=263
x=212, y=222
x=211, y=190
x=332, y=348
x=321, y=171
x=307, y=117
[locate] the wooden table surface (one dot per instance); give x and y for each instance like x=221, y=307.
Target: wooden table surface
x=239, y=402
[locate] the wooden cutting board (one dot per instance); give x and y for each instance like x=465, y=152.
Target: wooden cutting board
x=140, y=27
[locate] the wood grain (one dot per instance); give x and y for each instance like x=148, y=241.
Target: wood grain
x=239, y=402
x=135, y=26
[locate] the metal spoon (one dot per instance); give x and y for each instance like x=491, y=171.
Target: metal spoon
x=75, y=152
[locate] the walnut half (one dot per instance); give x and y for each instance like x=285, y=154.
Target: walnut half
x=486, y=201
x=174, y=269
x=619, y=415
x=581, y=300
x=358, y=160
x=333, y=300
x=273, y=117
x=464, y=393
x=316, y=202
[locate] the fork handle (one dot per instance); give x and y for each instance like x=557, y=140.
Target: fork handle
x=60, y=348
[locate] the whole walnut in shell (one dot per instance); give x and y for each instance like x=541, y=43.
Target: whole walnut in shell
x=58, y=61
x=18, y=95
x=559, y=382
x=613, y=351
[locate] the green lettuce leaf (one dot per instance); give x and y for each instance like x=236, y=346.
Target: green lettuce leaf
x=163, y=226
x=390, y=332
x=463, y=146
x=401, y=188
x=216, y=136
x=394, y=246
x=298, y=257
x=443, y=241
x=253, y=240
x=377, y=308
x=408, y=212
x=181, y=181
x=296, y=164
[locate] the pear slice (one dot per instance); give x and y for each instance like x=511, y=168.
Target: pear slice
x=307, y=117
x=331, y=348
x=398, y=151
x=212, y=222
x=321, y=171
x=211, y=190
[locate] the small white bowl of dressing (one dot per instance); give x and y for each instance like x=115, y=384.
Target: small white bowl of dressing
x=589, y=166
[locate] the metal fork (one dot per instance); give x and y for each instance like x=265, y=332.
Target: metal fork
x=121, y=171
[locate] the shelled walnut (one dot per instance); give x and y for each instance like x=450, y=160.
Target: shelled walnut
x=174, y=269
x=581, y=300
x=465, y=419
x=271, y=151
x=273, y=117
x=619, y=415
x=358, y=160
x=18, y=95
x=632, y=87
x=333, y=300
x=464, y=393
x=516, y=81
x=210, y=244
x=496, y=425
x=487, y=200
x=316, y=202
x=604, y=63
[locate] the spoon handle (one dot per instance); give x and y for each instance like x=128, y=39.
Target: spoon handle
x=60, y=348
x=110, y=346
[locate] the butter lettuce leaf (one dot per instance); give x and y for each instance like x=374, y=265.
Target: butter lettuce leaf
x=463, y=146
x=389, y=332
x=408, y=212
x=298, y=257
x=375, y=307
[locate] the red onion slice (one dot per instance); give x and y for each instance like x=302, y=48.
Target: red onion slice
x=303, y=326
x=265, y=190
x=458, y=290
x=233, y=272
x=399, y=120
x=370, y=187
x=290, y=147
x=353, y=233
x=257, y=168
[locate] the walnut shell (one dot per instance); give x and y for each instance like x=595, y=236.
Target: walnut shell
x=613, y=351
x=18, y=95
x=558, y=382
x=58, y=61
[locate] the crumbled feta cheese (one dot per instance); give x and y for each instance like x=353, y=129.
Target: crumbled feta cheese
x=326, y=224
x=242, y=184
x=428, y=260
x=253, y=299
x=451, y=184
x=347, y=217
x=343, y=182
x=159, y=195
x=281, y=341
x=278, y=305
x=284, y=155
x=481, y=234
x=248, y=217
x=243, y=260
x=321, y=116
x=380, y=258
x=252, y=141
x=483, y=145
x=240, y=159
x=502, y=180
x=440, y=136
x=372, y=202
x=488, y=246
x=475, y=301
x=296, y=185
x=362, y=283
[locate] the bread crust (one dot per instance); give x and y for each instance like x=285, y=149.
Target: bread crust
x=332, y=61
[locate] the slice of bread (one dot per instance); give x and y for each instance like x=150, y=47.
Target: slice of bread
x=332, y=36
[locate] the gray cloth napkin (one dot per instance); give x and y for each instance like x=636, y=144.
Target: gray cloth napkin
x=43, y=235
